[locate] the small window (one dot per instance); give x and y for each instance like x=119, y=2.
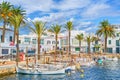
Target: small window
x=109, y=41
x=1, y=37
x=117, y=34
x=96, y=42
x=42, y=41
x=53, y=42
x=51, y=35
x=10, y=38
x=117, y=42
x=19, y=41
x=34, y=41
x=27, y=39
x=48, y=42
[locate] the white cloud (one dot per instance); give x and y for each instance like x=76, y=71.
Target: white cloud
x=71, y=4
x=47, y=5
x=95, y=10
x=87, y=29
x=85, y=24
x=58, y=18
x=33, y=5
x=78, y=11
x=80, y=25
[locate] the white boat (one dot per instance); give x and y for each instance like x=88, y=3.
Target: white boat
x=112, y=59
x=115, y=59
x=43, y=70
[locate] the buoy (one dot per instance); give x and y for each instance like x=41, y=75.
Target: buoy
x=82, y=71
x=82, y=75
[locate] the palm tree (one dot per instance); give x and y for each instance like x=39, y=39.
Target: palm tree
x=105, y=30
x=69, y=27
x=89, y=39
x=17, y=21
x=79, y=37
x=39, y=29
x=17, y=11
x=56, y=29
x=5, y=12
x=96, y=45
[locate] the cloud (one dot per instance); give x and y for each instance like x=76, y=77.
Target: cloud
x=95, y=10
x=84, y=13
x=58, y=18
x=33, y=5
x=71, y=4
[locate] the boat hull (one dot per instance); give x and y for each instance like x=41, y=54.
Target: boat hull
x=38, y=71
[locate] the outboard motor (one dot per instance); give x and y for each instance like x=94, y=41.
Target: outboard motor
x=68, y=71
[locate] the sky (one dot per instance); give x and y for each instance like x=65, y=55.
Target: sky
x=86, y=15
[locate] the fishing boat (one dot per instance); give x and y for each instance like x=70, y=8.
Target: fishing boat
x=44, y=69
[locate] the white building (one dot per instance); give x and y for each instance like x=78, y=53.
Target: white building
x=75, y=43
x=4, y=47
x=48, y=42
x=113, y=44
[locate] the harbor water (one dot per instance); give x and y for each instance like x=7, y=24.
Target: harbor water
x=110, y=70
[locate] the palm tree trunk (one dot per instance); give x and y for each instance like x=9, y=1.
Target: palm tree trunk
x=69, y=43
x=3, y=33
x=39, y=48
x=89, y=47
x=55, y=46
x=80, y=47
x=17, y=57
x=27, y=57
x=14, y=36
x=105, y=44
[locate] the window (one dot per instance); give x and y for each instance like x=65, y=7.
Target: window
x=19, y=41
x=109, y=42
x=117, y=34
x=96, y=42
x=57, y=42
x=48, y=42
x=117, y=43
x=51, y=35
x=109, y=50
x=1, y=37
x=42, y=41
x=53, y=42
x=77, y=49
x=34, y=41
x=4, y=51
x=10, y=38
x=27, y=39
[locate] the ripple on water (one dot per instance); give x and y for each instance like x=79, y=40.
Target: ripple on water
x=109, y=71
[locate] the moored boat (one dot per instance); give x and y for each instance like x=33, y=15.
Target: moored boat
x=49, y=69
